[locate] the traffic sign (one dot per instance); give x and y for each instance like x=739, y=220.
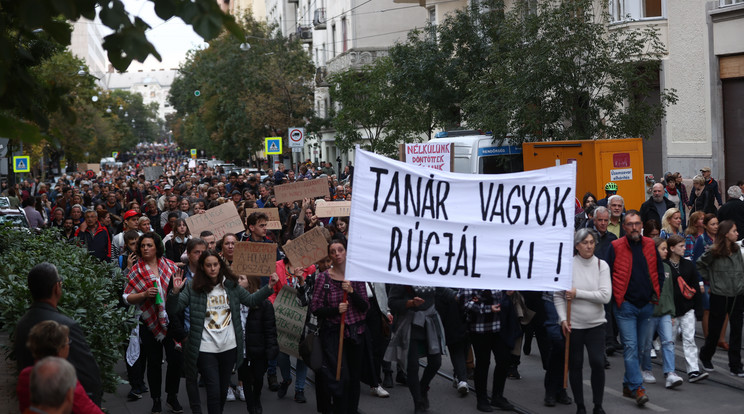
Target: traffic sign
x=296, y=137
x=115, y=154
x=22, y=164
x=193, y=153
x=273, y=145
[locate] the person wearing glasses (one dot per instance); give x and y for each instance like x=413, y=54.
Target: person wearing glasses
x=45, y=286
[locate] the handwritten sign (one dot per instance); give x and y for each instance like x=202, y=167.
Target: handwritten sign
x=290, y=320
x=96, y=168
x=219, y=220
x=274, y=222
x=333, y=209
x=153, y=173
x=308, y=248
x=433, y=155
x=254, y=259
x=287, y=193
x=412, y=225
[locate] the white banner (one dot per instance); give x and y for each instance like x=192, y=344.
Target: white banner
x=415, y=226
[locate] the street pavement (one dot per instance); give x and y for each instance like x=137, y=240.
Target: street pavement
x=721, y=393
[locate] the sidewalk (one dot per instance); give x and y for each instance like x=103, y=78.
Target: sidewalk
x=7, y=377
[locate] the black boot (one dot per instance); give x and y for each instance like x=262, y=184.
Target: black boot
x=387, y=381
x=483, y=404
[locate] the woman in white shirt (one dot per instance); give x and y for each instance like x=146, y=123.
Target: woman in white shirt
x=591, y=290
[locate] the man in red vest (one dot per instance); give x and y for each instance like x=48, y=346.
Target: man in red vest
x=636, y=266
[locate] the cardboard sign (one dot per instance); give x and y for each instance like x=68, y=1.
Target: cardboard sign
x=254, y=259
x=96, y=168
x=287, y=193
x=333, y=209
x=429, y=154
x=308, y=248
x=274, y=223
x=219, y=220
x=290, y=320
x=153, y=173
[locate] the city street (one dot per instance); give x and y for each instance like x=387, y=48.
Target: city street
x=720, y=394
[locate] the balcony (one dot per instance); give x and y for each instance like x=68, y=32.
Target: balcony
x=305, y=34
x=355, y=59
x=319, y=21
x=321, y=75
x=293, y=1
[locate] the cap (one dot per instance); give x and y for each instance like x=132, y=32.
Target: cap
x=235, y=192
x=705, y=169
x=167, y=187
x=611, y=186
x=131, y=213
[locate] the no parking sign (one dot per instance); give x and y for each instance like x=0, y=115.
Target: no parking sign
x=296, y=137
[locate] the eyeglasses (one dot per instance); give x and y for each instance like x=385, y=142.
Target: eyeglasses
x=634, y=224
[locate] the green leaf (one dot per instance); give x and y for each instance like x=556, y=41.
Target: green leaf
x=18, y=129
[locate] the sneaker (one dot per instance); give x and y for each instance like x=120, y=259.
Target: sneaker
x=133, y=396
x=656, y=345
x=598, y=410
x=563, y=398
x=300, y=397
x=157, y=406
x=640, y=396
x=737, y=372
x=653, y=353
x=378, y=391
x=283, y=387
x=696, y=376
x=230, y=394
x=173, y=404
x=241, y=393
x=648, y=377
x=627, y=392
x=673, y=380
x=462, y=388
x=483, y=405
x=502, y=403
x=273, y=383
x=707, y=364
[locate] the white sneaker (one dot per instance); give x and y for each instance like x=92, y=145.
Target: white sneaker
x=230, y=394
x=648, y=377
x=378, y=391
x=673, y=380
x=241, y=394
x=462, y=388
x=656, y=345
x=653, y=353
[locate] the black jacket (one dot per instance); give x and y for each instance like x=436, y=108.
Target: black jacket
x=705, y=202
x=260, y=333
x=689, y=274
x=80, y=356
x=648, y=210
x=733, y=210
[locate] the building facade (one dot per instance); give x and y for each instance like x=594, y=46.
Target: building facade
x=154, y=86
x=86, y=43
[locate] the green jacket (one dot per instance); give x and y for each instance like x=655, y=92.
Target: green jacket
x=725, y=274
x=197, y=303
x=666, y=300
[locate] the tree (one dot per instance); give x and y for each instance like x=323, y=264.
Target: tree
x=245, y=93
x=33, y=30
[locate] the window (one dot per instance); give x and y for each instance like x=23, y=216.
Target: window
x=725, y=3
x=333, y=41
x=432, y=12
x=623, y=10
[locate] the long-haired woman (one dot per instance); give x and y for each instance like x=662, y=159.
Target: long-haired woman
x=671, y=223
x=695, y=229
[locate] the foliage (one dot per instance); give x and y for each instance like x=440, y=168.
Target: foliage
x=33, y=30
x=91, y=291
x=244, y=95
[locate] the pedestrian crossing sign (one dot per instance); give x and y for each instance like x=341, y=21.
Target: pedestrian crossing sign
x=115, y=154
x=22, y=164
x=193, y=153
x=273, y=145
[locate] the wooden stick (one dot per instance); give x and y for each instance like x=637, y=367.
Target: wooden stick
x=341, y=342
x=568, y=341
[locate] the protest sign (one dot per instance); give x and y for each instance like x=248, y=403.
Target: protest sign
x=274, y=222
x=219, y=220
x=254, y=259
x=287, y=193
x=96, y=168
x=416, y=226
x=333, y=209
x=308, y=248
x=290, y=320
x=153, y=173
x=438, y=156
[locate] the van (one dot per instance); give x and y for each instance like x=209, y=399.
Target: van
x=477, y=153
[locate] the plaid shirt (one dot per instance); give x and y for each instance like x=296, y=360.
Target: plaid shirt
x=140, y=279
x=328, y=294
x=477, y=305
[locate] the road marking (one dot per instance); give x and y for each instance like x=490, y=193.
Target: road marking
x=616, y=393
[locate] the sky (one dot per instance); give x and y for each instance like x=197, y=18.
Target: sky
x=172, y=38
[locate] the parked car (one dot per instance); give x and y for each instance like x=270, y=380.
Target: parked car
x=15, y=217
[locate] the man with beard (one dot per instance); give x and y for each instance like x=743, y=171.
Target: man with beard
x=655, y=207
x=616, y=206
x=636, y=266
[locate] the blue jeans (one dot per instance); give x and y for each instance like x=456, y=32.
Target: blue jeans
x=662, y=325
x=633, y=323
x=301, y=370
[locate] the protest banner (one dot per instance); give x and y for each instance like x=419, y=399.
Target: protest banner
x=416, y=226
x=437, y=156
x=287, y=193
x=308, y=248
x=333, y=209
x=274, y=223
x=153, y=173
x=254, y=259
x=290, y=321
x=219, y=220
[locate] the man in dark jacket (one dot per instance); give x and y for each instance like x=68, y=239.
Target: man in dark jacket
x=601, y=220
x=733, y=209
x=655, y=207
x=45, y=285
x=95, y=237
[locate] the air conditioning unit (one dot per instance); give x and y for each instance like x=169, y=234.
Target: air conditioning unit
x=306, y=34
x=319, y=21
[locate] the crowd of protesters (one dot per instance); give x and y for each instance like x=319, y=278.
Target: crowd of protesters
x=636, y=274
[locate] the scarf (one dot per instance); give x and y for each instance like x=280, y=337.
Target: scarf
x=140, y=279
x=672, y=191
